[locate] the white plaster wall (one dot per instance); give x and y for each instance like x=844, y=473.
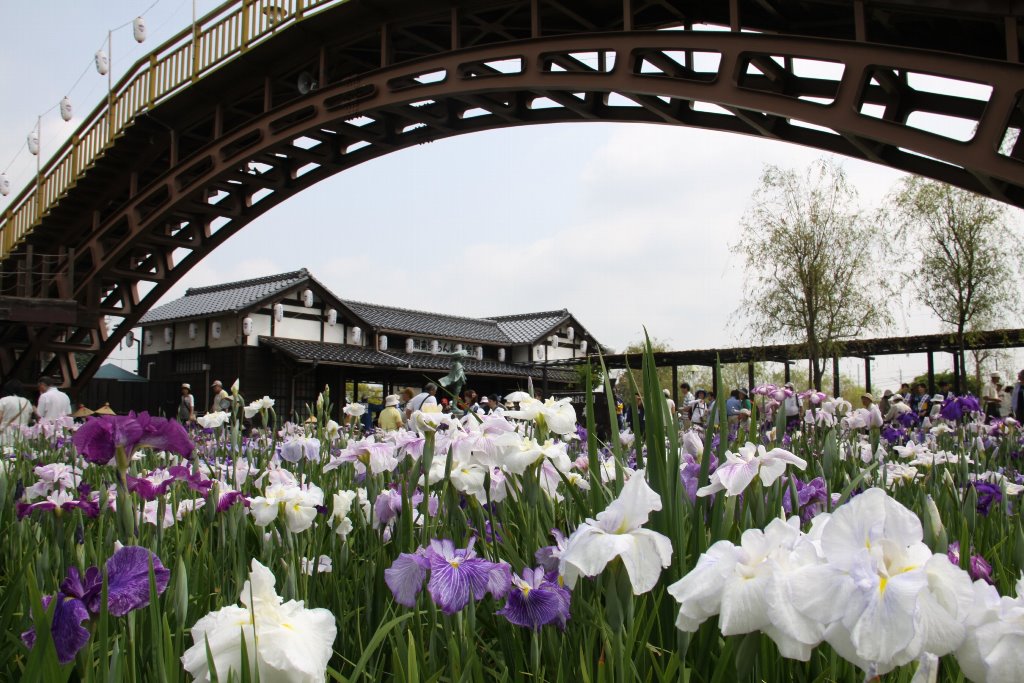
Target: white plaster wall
x=260, y=326
x=230, y=328
x=181, y=340
x=158, y=344
x=293, y=328
x=336, y=334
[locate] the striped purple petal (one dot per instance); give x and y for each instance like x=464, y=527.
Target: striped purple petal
x=405, y=577
x=128, y=579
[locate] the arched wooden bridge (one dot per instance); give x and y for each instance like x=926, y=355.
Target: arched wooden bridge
x=263, y=98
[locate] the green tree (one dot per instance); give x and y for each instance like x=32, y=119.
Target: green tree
x=965, y=254
x=811, y=262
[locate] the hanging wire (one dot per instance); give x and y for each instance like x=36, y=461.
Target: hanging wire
x=85, y=70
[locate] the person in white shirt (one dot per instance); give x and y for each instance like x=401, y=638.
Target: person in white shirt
x=699, y=410
x=897, y=407
x=991, y=396
x=874, y=418
x=15, y=409
x=671, y=405
x=53, y=403
x=792, y=403
x=424, y=398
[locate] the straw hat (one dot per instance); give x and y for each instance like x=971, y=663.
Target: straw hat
x=82, y=412
x=105, y=410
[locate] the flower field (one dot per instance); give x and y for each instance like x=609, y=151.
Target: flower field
x=515, y=548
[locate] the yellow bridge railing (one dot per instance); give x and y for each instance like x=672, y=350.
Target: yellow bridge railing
x=215, y=39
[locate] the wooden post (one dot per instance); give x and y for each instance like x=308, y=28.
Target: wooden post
x=835, y=375
x=867, y=374
x=931, y=372
x=786, y=371
x=245, y=25
x=627, y=15
x=750, y=375
x=675, y=384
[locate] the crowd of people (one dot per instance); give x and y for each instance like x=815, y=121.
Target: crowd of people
x=696, y=408
x=16, y=410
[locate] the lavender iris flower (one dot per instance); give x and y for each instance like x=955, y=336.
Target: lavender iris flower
x=536, y=601
x=689, y=474
x=456, y=576
x=79, y=598
x=547, y=557
x=59, y=502
x=99, y=438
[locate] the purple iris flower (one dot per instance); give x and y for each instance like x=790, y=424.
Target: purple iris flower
x=535, y=601
x=810, y=496
x=689, y=474
x=456, y=576
x=892, y=434
x=977, y=568
x=908, y=419
x=98, y=439
x=79, y=598
x=987, y=495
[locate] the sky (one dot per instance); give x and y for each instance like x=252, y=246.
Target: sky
x=626, y=225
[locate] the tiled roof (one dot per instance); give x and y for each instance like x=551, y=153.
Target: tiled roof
x=343, y=354
x=199, y=302
x=430, y=324
x=528, y=327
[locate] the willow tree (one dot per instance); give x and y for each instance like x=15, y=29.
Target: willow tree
x=964, y=252
x=811, y=263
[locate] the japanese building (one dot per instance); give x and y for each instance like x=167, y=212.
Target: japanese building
x=287, y=336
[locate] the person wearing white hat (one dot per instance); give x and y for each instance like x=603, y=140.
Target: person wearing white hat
x=874, y=415
x=187, y=406
x=390, y=418
x=897, y=407
x=936, y=401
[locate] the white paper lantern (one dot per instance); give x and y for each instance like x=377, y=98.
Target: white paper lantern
x=193, y=330
x=102, y=62
x=479, y=353
x=307, y=298
x=33, y=142
x=129, y=339
x=356, y=334
x=5, y=185
x=278, y=312
x=410, y=345
x=168, y=334
x=332, y=317
x=66, y=110
x=435, y=346
x=538, y=352
x=570, y=332
x=247, y=326
x=215, y=330
x=148, y=336
x=554, y=341
x=139, y=29
x=583, y=346
x=501, y=355
x=382, y=342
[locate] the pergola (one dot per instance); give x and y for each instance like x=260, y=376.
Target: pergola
x=866, y=349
